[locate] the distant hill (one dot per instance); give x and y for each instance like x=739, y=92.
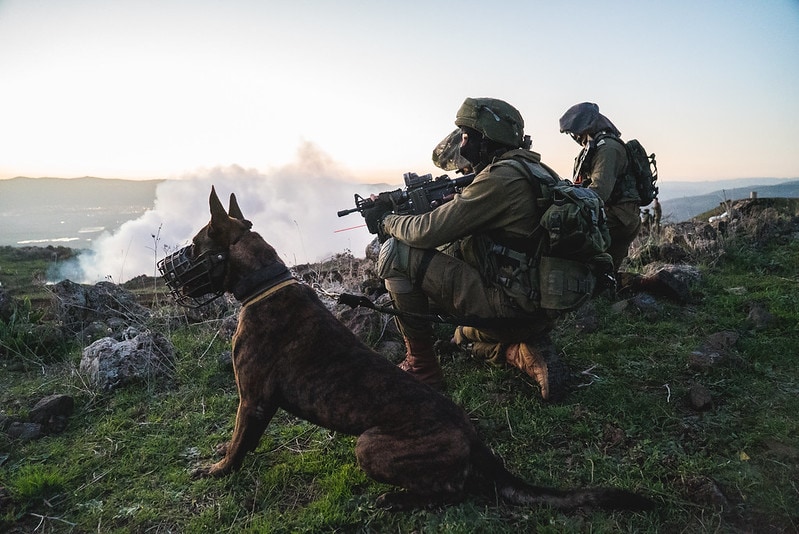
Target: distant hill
x=684, y=208
x=74, y=211
x=670, y=189
x=60, y=211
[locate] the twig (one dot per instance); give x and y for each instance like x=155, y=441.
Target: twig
x=43, y=517
x=588, y=373
x=507, y=418
x=668, y=393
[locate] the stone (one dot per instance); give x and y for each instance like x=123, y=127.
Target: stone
x=111, y=363
x=52, y=413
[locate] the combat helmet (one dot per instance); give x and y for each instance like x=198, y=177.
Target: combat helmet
x=495, y=119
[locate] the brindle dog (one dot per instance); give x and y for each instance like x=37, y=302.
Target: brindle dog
x=290, y=352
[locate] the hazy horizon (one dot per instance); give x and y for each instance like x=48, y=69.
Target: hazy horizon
x=125, y=226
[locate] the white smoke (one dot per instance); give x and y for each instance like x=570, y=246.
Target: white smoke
x=293, y=208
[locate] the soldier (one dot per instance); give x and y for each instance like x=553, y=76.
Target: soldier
x=646, y=220
x=657, y=215
x=602, y=166
x=473, y=279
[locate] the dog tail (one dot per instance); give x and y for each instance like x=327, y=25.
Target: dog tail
x=516, y=491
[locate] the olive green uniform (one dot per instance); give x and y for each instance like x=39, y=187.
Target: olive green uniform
x=497, y=207
x=603, y=168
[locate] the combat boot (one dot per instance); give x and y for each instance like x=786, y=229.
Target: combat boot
x=540, y=361
x=421, y=362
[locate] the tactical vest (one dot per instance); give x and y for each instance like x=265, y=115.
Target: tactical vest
x=558, y=267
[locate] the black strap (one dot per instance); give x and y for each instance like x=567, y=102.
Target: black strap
x=424, y=264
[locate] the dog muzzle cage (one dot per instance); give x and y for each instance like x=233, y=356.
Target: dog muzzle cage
x=194, y=282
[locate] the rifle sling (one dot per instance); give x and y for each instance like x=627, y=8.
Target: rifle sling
x=355, y=301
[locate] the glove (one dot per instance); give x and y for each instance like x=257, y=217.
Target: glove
x=374, y=216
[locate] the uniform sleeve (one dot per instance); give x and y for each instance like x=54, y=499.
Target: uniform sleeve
x=609, y=162
x=482, y=205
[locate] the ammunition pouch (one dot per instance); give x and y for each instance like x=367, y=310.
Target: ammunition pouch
x=565, y=284
x=551, y=283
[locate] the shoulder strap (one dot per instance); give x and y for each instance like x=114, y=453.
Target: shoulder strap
x=539, y=176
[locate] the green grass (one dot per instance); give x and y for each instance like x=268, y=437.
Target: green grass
x=124, y=462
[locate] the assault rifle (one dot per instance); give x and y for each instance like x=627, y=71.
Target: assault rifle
x=421, y=194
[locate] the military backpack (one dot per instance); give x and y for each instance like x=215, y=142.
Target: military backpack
x=567, y=259
x=644, y=170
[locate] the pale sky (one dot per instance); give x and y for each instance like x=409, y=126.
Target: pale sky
x=162, y=88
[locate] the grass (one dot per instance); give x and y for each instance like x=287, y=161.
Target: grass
x=124, y=462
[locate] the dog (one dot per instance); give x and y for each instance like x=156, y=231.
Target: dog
x=291, y=353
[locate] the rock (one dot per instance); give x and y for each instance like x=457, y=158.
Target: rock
x=716, y=349
x=225, y=360
x=759, y=317
x=664, y=252
x=372, y=250
x=394, y=351
x=700, y=361
x=52, y=413
x=5, y=421
x=699, y=398
x=216, y=309
x=79, y=307
x=620, y=306
x=704, y=490
x=586, y=319
x=111, y=363
x=672, y=253
x=24, y=431
x=647, y=305
x=8, y=305
x=666, y=283
x=369, y=325
x=228, y=326
x=721, y=342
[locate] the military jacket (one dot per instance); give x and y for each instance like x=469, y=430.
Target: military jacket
x=499, y=206
x=603, y=168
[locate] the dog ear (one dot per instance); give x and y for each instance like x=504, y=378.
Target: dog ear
x=218, y=213
x=234, y=210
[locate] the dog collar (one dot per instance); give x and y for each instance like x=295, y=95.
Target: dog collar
x=268, y=291
x=260, y=280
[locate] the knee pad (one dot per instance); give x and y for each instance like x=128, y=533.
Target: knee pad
x=392, y=266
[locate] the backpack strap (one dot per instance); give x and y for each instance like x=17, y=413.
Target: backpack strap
x=527, y=255
x=539, y=175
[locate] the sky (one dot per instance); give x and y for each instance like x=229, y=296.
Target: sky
x=167, y=88
x=295, y=105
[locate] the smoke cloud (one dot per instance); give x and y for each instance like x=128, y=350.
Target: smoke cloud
x=293, y=208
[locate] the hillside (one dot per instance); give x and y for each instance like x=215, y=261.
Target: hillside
x=58, y=211
x=690, y=400
x=684, y=208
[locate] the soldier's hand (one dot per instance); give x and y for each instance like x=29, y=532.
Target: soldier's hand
x=374, y=215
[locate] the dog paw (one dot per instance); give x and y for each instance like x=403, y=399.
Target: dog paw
x=200, y=472
x=216, y=470
x=403, y=501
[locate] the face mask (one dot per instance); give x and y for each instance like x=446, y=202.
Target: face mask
x=471, y=141
x=579, y=139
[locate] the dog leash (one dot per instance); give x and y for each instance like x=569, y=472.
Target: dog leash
x=355, y=301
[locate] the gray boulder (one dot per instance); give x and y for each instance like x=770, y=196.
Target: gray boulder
x=110, y=363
